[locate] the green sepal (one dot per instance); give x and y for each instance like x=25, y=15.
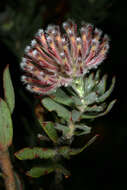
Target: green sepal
x=61, y=97
x=77, y=151
x=50, y=130
x=38, y=171
x=6, y=129
x=36, y=152
x=59, y=109
x=8, y=89
x=107, y=93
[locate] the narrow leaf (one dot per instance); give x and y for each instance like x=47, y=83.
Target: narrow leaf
x=36, y=152
x=89, y=83
x=6, y=130
x=61, y=97
x=77, y=151
x=53, y=106
x=84, y=128
x=50, y=130
x=96, y=108
x=85, y=116
x=39, y=171
x=8, y=89
x=62, y=128
x=107, y=93
x=90, y=98
x=101, y=87
x=97, y=75
x=75, y=115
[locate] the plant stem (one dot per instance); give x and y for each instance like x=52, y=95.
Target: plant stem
x=7, y=170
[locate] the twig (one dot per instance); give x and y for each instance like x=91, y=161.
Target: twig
x=7, y=170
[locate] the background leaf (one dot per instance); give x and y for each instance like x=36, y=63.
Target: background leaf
x=6, y=130
x=8, y=89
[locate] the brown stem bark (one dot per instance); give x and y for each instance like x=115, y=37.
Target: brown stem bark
x=7, y=170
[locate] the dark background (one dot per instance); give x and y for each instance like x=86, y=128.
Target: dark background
x=104, y=164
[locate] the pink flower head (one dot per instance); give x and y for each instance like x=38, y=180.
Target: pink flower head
x=56, y=59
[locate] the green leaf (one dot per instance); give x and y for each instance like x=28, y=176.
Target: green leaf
x=84, y=128
x=53, y=106
x=89, y=83
x=75, y=115
x=95, y=108
x=62, y=128
x=85, y=116
x=61, y=97
x=50, y=130
x=36, y=152
x=97, y=75
x=8, y=89
x=90, y=98
x=76, y=100
x=107, y=93
x=6, y=130
x=101, y=87
x=39, y=171
x=77, y=151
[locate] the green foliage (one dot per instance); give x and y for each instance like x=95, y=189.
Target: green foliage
x=61, y=97
x=77, y=151
x=85, y=129
x=6, y=130
x=50, y=130
x=46, y=169
x=36, y=152
x=39, y=171
x=88, y=116
x=59, y=109
x=8, y=89
x=83, y=100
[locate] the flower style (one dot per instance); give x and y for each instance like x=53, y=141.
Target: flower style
x=54, y=59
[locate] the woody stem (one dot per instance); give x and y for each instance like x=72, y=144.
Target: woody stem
x=7, y=170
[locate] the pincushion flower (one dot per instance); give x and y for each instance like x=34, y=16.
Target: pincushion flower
x=57, y=59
